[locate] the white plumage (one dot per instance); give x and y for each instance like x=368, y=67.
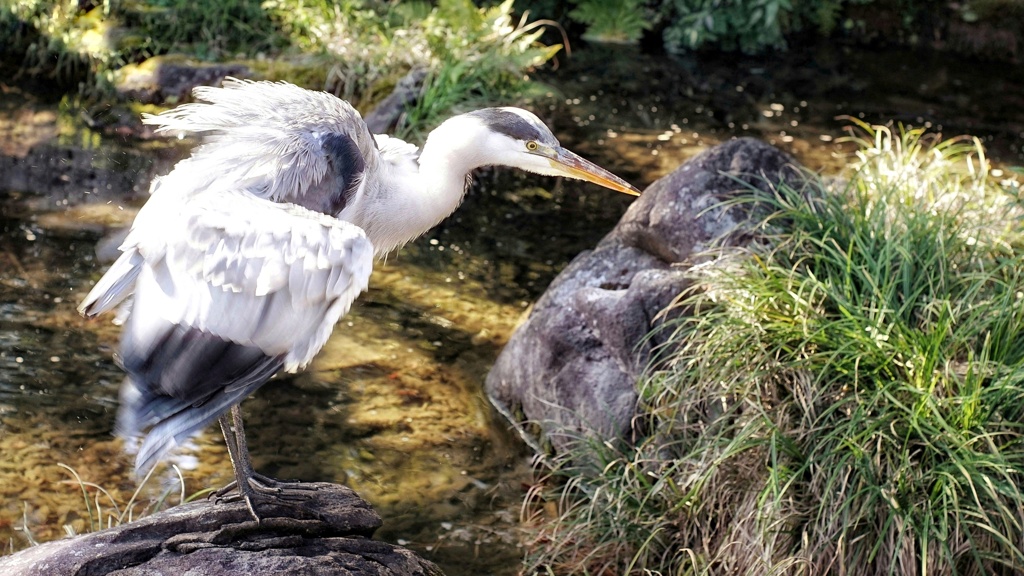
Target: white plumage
x=249, y=251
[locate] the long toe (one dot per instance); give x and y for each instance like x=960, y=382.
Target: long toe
x=269, y=496
x=225, y=492
x=267, y=484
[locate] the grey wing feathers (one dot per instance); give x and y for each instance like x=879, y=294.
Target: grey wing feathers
x=233, y=278
x=117, y=284
x=266, y=136
x=229, y=289
x=248, y=270
x=184, y=384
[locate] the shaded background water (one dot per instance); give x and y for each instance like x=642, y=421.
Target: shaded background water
x=393, y=406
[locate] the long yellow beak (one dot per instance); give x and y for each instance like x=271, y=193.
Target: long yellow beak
x=573, y=166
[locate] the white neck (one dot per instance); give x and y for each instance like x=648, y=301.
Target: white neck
x=405, y=199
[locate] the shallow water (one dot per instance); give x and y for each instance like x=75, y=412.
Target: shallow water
x=393, y=406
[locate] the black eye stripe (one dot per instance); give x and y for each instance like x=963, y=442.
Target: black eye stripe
x=514, y=126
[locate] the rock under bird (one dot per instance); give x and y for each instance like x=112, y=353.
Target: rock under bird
x=248, y=252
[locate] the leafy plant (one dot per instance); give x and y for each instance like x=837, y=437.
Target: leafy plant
x=746, y=25
x=845, y=395
x=356, y=49
x=614, y=20
x=208, y=30
x=56, y=39
x=470, y=53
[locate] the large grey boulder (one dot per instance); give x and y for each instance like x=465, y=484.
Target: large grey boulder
x=571, y=369
x=328, y=534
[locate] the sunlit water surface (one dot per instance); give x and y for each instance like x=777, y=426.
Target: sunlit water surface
x=393, y=406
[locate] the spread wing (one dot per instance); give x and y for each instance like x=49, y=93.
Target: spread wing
x=252, y=271
x=229, y=288
x=276, y=140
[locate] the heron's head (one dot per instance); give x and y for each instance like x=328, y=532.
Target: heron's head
x=519, y=139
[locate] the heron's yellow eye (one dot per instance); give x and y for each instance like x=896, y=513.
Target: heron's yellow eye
x=531, y=146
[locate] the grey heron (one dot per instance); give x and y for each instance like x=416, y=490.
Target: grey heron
x=248, y=252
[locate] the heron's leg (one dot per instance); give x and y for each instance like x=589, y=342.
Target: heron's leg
x=229, y=440
x=238, y=450
x=258, y=482
x=238, y=466
x=244, y=462
x=249, y=483
x=240, y=462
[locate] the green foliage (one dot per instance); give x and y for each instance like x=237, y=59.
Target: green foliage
x=55, y=38
x=612, y=20
x=484, y=63
x=846, y=395
x=207, y=30
x=471, y=54
x=356, y=49
x=485, y=32
x=823, y=15
x=746, y=25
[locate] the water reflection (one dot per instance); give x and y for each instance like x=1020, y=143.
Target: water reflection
x=656, y=110
x=393, y=405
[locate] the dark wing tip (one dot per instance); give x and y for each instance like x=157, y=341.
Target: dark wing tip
x=181, y=384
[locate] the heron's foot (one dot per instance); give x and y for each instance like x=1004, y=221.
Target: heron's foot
x=259, y=500
x=260, y=490
x=267, y=486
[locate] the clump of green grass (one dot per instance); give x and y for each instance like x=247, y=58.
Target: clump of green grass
x=357, y=49
x=206, y=30
x=613, y=21
x=844, y=396
x=486, y=65
x=471, y=54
